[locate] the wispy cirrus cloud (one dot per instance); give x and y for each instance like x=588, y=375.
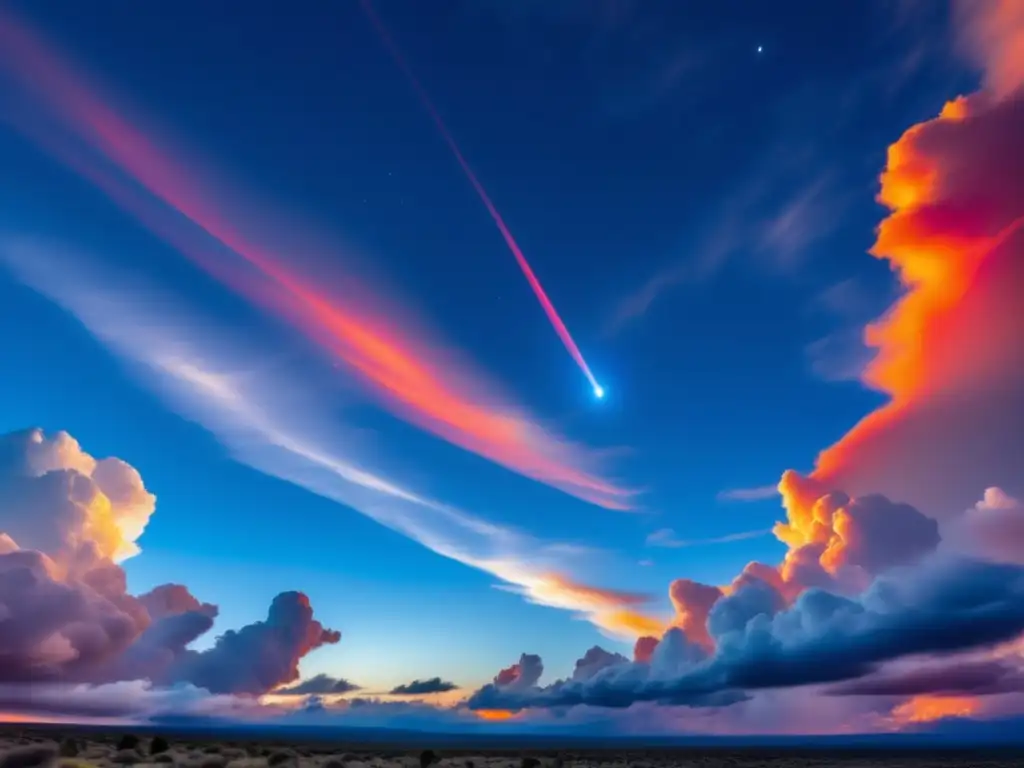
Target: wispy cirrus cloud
x=768, y=218
x=756, y=493
x=847, y=299
x=396, y=363
x=278, y=422
x=842, y=354
x=839, y=356
x=948, y=352
x=712, y=252
x=619, y=613
x=810, y=212
x=632, y=56
x=865, y=586
x=667, y=538
x=636, y=304
x=797, y=194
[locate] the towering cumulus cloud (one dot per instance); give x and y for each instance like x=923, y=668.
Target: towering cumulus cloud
x=104, y=504
x=522, y=675
x=884, y=567
x=950, y=352
x=754, y=638
x=358, y=330
x=65, y=612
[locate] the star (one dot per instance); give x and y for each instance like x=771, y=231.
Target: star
x=760, y=49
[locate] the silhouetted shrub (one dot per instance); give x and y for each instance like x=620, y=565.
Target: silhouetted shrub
x=69, y=748
x=281, y=757
x=530, y=762
x=29, y=756
x=158, y=745
x=126, y=757
x=427, y=758
x=128, y=741
x=163, y=757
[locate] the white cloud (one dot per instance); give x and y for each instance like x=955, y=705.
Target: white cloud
x=666, y=537
x=993, y=528
x=270, y=419
x=757, y=493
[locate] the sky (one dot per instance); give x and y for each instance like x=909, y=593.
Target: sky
x=303, y=317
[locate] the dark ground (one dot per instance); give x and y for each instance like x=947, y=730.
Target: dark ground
x=36, y=746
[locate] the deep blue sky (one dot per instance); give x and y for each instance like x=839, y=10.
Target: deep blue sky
x=627, y=145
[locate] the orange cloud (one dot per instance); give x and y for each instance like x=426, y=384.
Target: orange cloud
x=951, y=358
x=693, y=602
x=927, y=708
x=596, y=597
x=631, y=623
x=421, y=394
x=950, y=351
x=111, y=502
x=496, y=715
x=609, y=609
x=397, y=366
x=994, y=35
x=14, y=717
x=835, y=542
x=643, y=648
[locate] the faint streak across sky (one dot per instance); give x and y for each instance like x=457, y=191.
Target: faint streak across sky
x=499, y=221
x=251, y=408
x=758, y=493
x=666, y=538
x=71, y=120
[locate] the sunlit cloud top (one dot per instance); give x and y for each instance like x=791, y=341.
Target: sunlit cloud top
x=270, y=421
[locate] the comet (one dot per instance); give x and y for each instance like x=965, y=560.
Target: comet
x=435, y=116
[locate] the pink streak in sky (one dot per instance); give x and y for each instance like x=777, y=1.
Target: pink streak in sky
x=513, y=246
x=396, y=365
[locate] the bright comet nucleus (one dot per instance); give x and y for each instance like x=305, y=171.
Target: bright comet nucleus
x=599, y=392
x=510, y=242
